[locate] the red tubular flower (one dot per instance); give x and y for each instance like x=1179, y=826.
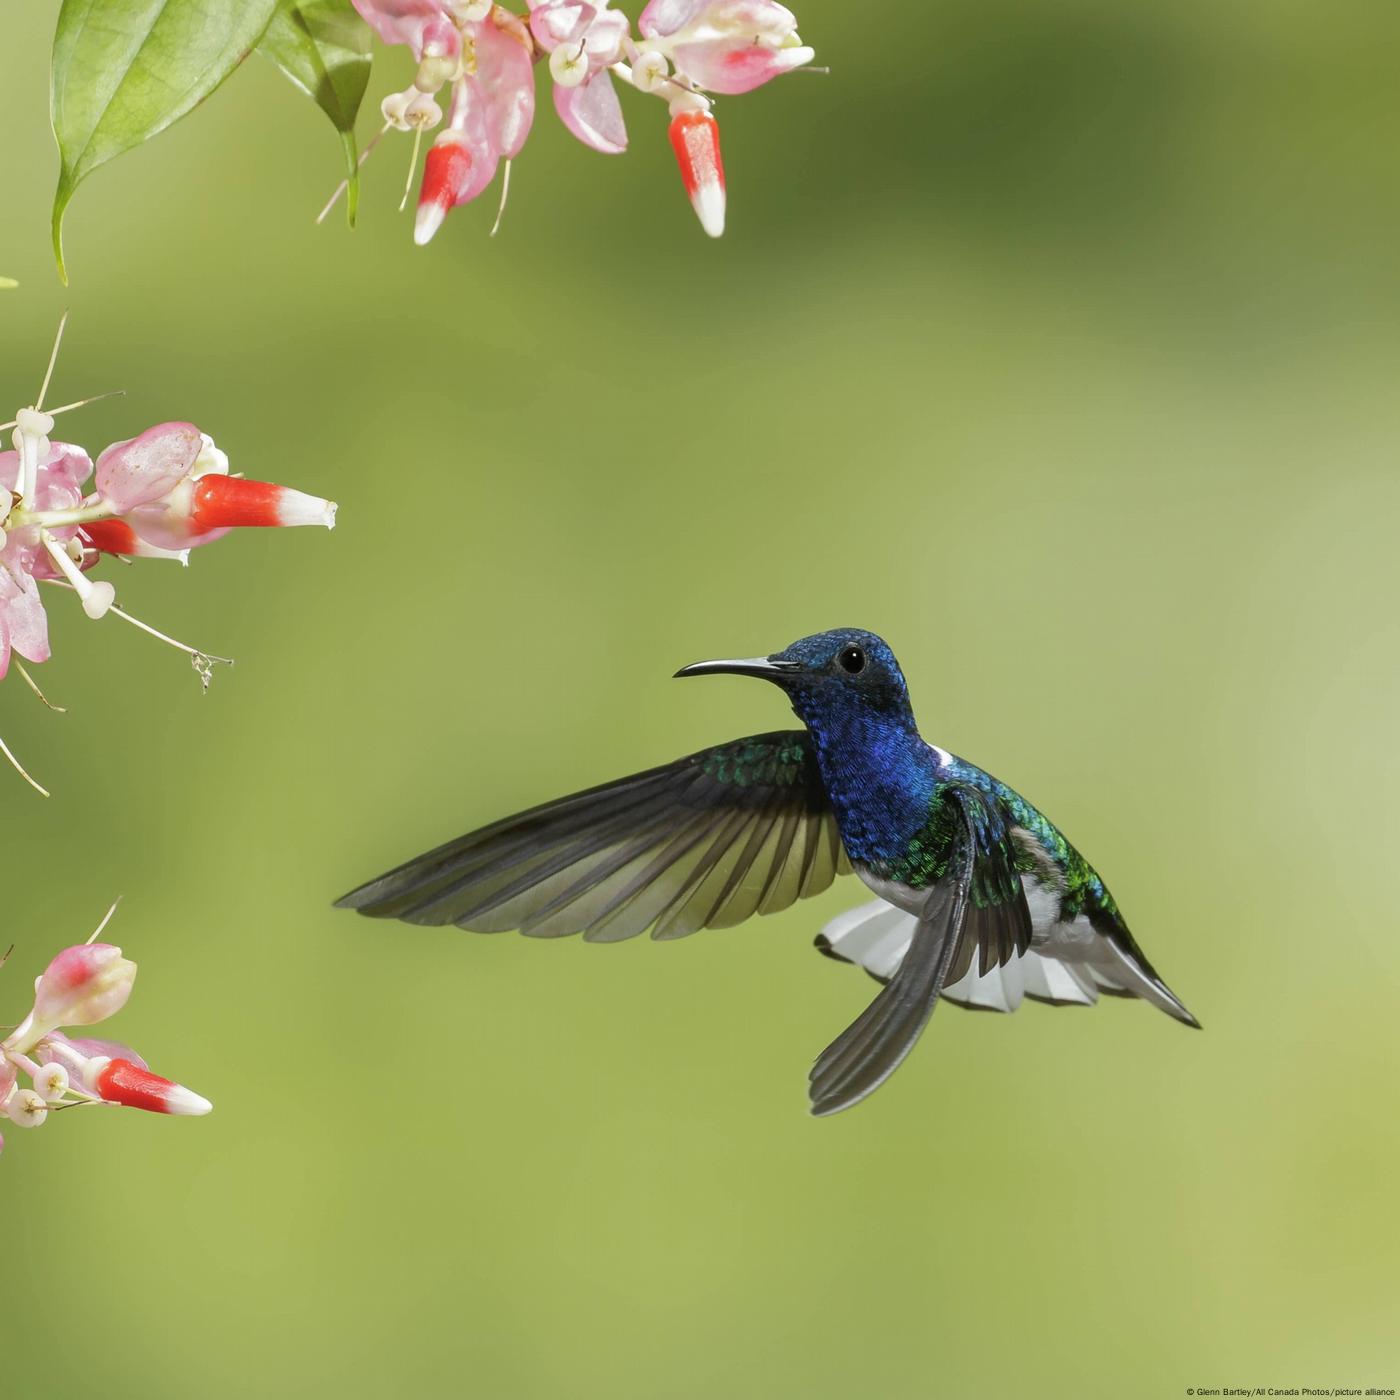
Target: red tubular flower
x=117, y=537
x=695, y=140
x=447, y=174
x=223, y=501
x=121, y=1081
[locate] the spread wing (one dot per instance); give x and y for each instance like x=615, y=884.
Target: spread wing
x=978, y=906
x=732, y=831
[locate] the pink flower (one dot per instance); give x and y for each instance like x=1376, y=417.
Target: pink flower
x=145, y=468
x=687, y=48
x=157, y=495
x=171, y=487
x=726, y=46
x=493, y=108
x=24, y=626
x=82, y=985
x=583, y=42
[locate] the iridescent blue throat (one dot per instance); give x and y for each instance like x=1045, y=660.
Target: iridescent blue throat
x=878, y=772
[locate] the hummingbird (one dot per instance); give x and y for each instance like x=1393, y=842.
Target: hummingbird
x=979, y=899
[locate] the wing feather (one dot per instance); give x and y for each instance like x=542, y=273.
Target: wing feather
x=704, y=842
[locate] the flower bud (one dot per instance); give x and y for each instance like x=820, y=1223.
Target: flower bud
x=79, y=987
x=121, y=1081
x=695, y=140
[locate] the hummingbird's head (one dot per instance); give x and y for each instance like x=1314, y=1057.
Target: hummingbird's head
x=829, y=677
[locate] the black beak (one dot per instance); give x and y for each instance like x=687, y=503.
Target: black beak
x=764, y=667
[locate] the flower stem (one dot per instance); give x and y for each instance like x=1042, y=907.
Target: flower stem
x=56, y=519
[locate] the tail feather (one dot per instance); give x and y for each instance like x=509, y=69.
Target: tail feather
x=876, y=936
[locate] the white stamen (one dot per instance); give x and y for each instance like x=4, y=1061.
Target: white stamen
x=202, y=659
x=505, y=192
x=34, y=686
x=53, y=360
x=28, y=447
x=19, y=768
x=106, y=919
x=67, y=407
x=412, y=166
x=96, y=598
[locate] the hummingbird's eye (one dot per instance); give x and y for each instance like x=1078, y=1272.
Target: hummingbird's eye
x=851, y=660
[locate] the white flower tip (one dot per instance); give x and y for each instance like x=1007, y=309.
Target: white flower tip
x=297, y=508
x=186, y=1103
x=33, y=422
x=98, y=599
x=428, y=221
x=708, y=202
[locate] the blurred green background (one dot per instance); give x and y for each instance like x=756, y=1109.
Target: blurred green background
x=1059, y=344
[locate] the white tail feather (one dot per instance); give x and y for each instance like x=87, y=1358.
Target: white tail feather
x=876, y=936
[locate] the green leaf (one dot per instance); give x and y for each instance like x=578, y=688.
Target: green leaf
x=123, y=72
x=323, y=46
